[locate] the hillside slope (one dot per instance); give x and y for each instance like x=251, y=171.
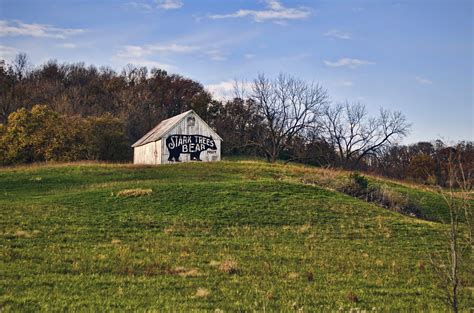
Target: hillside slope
x=227, y=235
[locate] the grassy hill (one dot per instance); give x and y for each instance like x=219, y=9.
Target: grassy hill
x=227, y=235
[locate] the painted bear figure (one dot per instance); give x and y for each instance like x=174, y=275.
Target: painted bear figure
x=192, y=144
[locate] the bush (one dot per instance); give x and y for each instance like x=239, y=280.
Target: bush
x=359, y=180
x=29, y=135
x=41, y=135
x=357, y=186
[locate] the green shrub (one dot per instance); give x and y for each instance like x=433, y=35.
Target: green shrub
x=361, y=181
x=356, y=185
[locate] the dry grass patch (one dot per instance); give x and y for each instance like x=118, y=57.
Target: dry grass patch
x=293, y=275
x=229, y=266
x=185, y=272
x=169, y=230
x=202, y=293
x=137, y=192
x=22, y=234
x=214, y=263
x=303, y=229
x=101, y=257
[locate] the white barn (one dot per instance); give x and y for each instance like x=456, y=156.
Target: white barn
x=181, y=138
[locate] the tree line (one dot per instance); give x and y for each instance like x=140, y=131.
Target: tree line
x=70, y=112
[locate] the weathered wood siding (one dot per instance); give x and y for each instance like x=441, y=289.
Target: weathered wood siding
x=148, y=154
x=199, y=128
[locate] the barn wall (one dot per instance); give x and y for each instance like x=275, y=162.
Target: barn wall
x=147, y=154
x=139, y=155
x=200, y=128
x=158, y=151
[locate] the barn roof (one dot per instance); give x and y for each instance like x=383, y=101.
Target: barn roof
x=163, y=127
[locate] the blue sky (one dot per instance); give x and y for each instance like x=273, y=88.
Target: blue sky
x=412, y=56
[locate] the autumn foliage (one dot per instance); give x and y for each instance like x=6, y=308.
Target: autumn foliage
x=40, y=134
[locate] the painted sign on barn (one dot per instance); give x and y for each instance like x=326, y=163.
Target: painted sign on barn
x=184, y=137
x=192, y=144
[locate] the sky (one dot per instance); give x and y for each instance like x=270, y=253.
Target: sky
x=411, y=56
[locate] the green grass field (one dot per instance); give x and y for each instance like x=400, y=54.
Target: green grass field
x=233, y=236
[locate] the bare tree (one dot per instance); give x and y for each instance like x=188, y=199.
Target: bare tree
x=12, y=87
x=288, y=106
x=355, y=135
x=21, y=65
x=459, y=235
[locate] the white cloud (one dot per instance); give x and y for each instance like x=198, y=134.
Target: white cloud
x=274, y=11
x=140, y=5
x=249, y=56
x=133, y=52
x=18, y=28
x=140, y=55
x=175, y=48
x=67, y=45
x=274, y=5
x=169, y=4
x=347, y=83
x=347, y=62
x=216, y=55
x=138, y=60
x=140, y=51
x=423, y=81
x=334, y=33
x=225, y=90
x=202, y=45
x=149, y=6
x=149, y=63
x=7, y=53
